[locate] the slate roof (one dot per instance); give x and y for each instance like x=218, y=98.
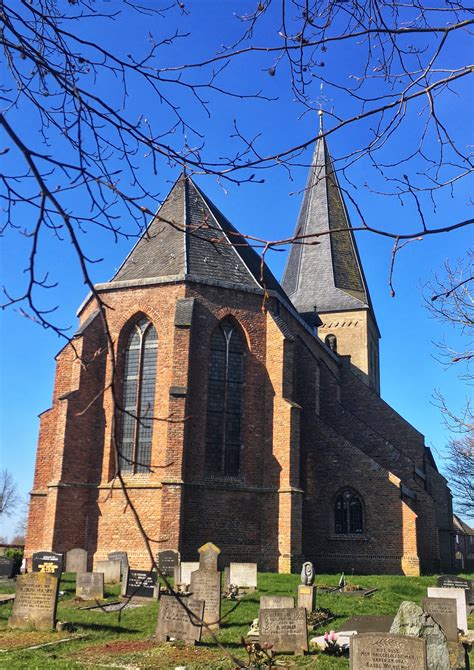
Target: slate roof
x=189, y=236
x=329, y=274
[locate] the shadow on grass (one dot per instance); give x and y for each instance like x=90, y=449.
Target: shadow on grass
x=106, y=627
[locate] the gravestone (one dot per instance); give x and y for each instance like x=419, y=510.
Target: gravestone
x=411, y=621
x=206, y=585
x=111, y=570
x=285, y=629
x=141, y=584
x=443, y=611
x=226, y=579
x=35, y=603
x=276, y=602
x=76, y=560
x=174, y=621
x=454, y=582
x=460, y=597
x=90, y=585
x=307, y=597
x=167, y=561
x=121, y=556
x=182, y=572
x=208, y=556
x=386, y=652
x=7, y=566
x=47, y=561
x=243, y=575
x=370, y=623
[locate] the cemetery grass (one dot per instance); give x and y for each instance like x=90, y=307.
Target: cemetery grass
x=103, y=640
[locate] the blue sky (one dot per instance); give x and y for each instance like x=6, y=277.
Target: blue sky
x=409, y=371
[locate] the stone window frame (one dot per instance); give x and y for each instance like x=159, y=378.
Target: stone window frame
x=143, y=386
x=225, y=471
x=350, y=534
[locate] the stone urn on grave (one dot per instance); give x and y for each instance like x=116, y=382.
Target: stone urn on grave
x=307, y=589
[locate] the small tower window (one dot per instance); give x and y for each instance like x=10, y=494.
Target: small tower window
x=331, y=342
x=225, y=395
x=348, y=513
x=136, y=420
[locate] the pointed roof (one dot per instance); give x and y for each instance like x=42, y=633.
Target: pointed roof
x=190, y=237
x=328, y=274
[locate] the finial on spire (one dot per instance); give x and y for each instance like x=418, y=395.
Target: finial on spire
x=320, y=112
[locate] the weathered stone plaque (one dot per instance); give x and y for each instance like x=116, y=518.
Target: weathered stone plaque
x=121, y=556
x=454, y=582
x=206, y=585
x=47, y=561
x=183, y=572
x=111, y=570
x=387, y=652
x=76, y=560
x=443, y=611
x=370, y=623
x=276, y=602
x=90, y=585
x=285, y=629
x=208, y=556
x=167, y=561
x=460, y=597
x=140, y=583
x=174, y=621
x=6, y=567
x=243, y=575
x=307, y=597
x=35, y=601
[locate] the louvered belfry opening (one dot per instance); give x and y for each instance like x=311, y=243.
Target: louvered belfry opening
x=225, y=394
x=137, y=411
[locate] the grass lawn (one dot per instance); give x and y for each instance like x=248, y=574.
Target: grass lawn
x=110, y=641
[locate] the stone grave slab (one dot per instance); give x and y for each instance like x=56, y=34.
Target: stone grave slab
x=90, y=585
x=386, y=652
x=140, y=584
x=208, y=556
x=35, y=602
x=121, y=556
x=460, y=597
x=111, y=570
x=76, y=560
x=47, y=561
x=307, y=597
x=183, y=572
x=276, y=602
x=174, y=621
x=370, y=623
x=443, y=611
x=243, y=575
x=167, y=561
x=7, y=566
x=206, y=585
x=285, y=629
x=454, y=582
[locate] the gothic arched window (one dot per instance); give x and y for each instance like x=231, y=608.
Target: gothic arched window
x=348, y=513
x=136, y=424
x=225, y=392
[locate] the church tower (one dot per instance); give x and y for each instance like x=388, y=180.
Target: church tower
x=324, y=274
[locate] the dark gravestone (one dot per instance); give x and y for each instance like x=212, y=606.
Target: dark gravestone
x=369, y=624
x=206, y=585
x=140, y=583
x=121, y=556
x=90, y=585
x=167, y=561
x=35, y=602
x=76, y=560
x=443, y=611
x=284, y=629
x=48, y=561
x=175, y=622
x=453, y=582
x=386, y=652
x=7, y=567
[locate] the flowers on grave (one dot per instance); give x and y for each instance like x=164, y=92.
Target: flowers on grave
x=260, y=656
x=333, y=648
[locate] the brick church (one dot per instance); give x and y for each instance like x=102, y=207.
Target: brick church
x=247, y=412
